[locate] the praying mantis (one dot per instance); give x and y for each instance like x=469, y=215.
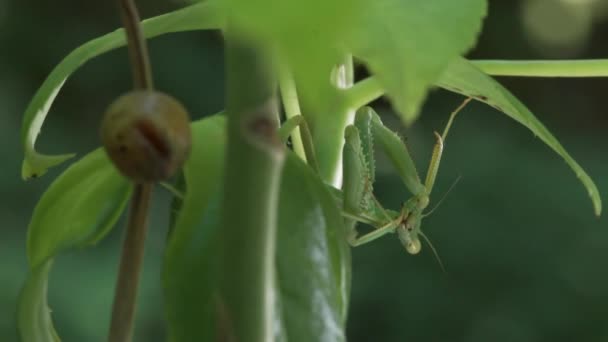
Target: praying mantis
x=357, y=199
x=359, y=204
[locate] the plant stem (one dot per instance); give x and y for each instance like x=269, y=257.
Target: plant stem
x=289, y=95
x=363, y=93
x=125, y=293
x=136, y=43
x=328, y=135
x=547, y=68
x=125, y=296
x=254, y=162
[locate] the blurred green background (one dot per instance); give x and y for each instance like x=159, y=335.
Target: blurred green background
x=525, y=256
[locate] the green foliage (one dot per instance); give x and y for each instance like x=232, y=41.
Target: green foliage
x=308, y=36
x=190, y=262
x=190, y=272
x=197, y=17
x=33, y=314
x=464, y=78
x=78, y=209
x=313, y=258
x=407, y=44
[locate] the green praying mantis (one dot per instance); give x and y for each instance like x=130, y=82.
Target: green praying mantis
x=357, y=199
x=359, y=203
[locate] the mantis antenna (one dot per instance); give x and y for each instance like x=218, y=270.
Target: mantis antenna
x=434, y=251
x=443, y=197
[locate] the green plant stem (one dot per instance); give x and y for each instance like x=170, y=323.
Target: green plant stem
x=127, y=283
x=546, y=68
x=289, y=96
x=363, y=93
x=328, y=135
x=254, y=162
x=368, y=90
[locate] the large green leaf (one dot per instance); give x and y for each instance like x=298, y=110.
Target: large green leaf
x=197, y=17
x=313, y=259
x=408, y=43
x=308, y=36
x=464, y=78
x=78, y=209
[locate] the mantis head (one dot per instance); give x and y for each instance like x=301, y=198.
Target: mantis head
x=410, y=240
x=409, y=231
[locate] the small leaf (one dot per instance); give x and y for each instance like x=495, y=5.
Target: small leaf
x=407, y=44
x=33, y=314
x=464, y=78
x=196, y=17
x=78, y=209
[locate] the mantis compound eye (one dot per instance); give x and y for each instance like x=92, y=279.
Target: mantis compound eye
x=147, y=135
x=413, y=246
x=423, y=202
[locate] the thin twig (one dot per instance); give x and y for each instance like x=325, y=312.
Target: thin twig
x=125, y=295
x=138, y=49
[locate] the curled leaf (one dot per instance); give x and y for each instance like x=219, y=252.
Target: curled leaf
x=463, y=77
x=196, y=17
x=78, y=209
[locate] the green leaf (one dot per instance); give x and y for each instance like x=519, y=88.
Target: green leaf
x=190, y=263
x=407, y=44
x=464, y=78
x=33, y=314
x=307, y=35
x=196, y=17
x=313, y=259
x=281, y=20
x=78, y=209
